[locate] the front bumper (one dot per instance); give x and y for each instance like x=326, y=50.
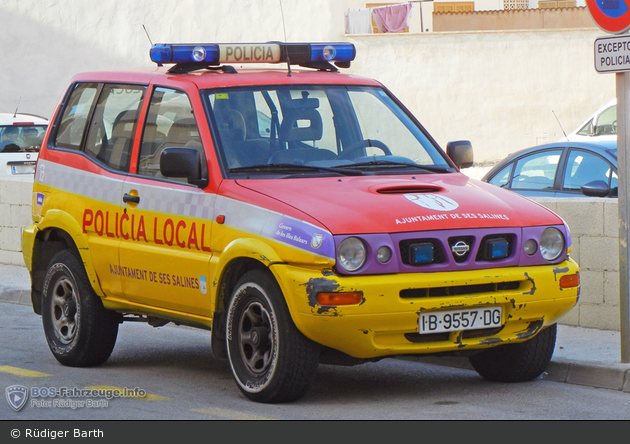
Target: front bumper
x=385, y=323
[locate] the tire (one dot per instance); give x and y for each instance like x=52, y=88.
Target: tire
x=520, y=362
x=79, y=330
x=271, y=360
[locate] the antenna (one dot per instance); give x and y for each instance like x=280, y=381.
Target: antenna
x=558, y=120
x=147, y=33
x=150, y=41
x=16, y=108
x=284, y=29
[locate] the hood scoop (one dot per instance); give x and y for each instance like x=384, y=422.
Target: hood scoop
x=406, y=189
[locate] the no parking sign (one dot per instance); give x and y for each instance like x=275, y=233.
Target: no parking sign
x=611, y=15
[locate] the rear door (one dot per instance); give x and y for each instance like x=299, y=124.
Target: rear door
x=91, y=161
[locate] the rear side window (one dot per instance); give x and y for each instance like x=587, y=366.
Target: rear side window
x=100, y=119
x=75, y=116
x=584, y=167
x=113, y=124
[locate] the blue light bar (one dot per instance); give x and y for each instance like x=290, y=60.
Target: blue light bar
x=340, y=52
x=162, y=53
x=271, y=52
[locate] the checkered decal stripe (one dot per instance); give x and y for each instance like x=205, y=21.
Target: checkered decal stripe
x=187, y=203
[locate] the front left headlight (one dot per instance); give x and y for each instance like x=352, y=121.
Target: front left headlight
x=351, y=254
x=551, y=244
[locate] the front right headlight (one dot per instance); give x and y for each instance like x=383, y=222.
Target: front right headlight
x=351, y=254
x=551, y=244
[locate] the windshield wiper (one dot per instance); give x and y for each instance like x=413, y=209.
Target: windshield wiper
x=289, y=168
x=389, y=163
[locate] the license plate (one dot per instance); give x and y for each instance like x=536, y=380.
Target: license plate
x=457, y=320
x=22, y=169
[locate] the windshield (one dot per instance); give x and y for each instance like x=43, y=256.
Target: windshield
x=310, y=130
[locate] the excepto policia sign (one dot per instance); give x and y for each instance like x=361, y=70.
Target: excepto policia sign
x=612, y=54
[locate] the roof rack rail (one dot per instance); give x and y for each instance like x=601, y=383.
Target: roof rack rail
x=185, y=68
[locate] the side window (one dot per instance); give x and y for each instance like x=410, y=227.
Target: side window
x=502, y=178
x=170, y=123
x=536, y=171
x=74, y=118
x=606, y=122
x=112, y=128
x=584, y=167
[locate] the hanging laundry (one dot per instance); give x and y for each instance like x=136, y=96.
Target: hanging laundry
x=358, y=21
x=393, y=18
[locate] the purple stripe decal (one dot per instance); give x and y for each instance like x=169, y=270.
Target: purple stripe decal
x=300, y=234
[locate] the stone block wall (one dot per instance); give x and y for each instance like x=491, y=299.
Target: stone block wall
x=15, y=215
x=594, y=225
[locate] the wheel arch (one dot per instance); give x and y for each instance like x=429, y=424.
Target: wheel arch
x=230, y=274
x=52, y=238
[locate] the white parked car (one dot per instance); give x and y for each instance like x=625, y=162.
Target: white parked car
x=602, y=125
x=21, y=137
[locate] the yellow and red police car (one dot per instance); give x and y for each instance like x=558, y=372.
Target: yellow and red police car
x=300, y=214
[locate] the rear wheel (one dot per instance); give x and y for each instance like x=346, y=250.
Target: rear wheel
x=517, y=362
x=79, y=330
x=271, y=360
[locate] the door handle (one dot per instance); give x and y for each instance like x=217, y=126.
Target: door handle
x=129, y=198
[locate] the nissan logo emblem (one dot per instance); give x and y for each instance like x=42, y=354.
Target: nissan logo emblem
x=460, y=248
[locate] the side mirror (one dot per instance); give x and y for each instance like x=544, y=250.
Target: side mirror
x=183, y=162
x=596, y=188
x=461, y=153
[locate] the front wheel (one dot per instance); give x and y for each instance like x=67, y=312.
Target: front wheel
x=79, y=330
x=271, y=360
x=517, y=362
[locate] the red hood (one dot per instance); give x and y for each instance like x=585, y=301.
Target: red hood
x=377, y=204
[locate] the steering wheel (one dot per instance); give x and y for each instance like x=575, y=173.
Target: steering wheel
x=349, y=152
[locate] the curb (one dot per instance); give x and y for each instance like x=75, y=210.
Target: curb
x=616, y=377
x=607, y=376
x=15, y=295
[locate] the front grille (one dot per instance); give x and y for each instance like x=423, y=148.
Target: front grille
x=470, y=248
x=459, y=290
x=444, y=336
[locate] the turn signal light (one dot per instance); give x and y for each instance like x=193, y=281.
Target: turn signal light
x=570, y=280
x=352, y=298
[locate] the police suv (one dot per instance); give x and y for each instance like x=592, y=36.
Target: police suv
x=299, y=214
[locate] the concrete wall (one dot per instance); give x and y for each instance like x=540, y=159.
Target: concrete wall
x=593, y=223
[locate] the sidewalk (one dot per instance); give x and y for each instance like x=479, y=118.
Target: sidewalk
x=583, y=356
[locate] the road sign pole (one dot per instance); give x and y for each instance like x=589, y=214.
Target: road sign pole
x=623, y=167
x=614, y=17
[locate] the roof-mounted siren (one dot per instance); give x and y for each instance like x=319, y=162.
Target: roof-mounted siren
x=314, y=55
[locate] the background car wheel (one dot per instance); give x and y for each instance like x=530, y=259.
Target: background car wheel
x=271, y=360
x=79, y=331
x=517, y=362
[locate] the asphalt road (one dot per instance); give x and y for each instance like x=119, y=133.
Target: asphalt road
x=182, y=382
